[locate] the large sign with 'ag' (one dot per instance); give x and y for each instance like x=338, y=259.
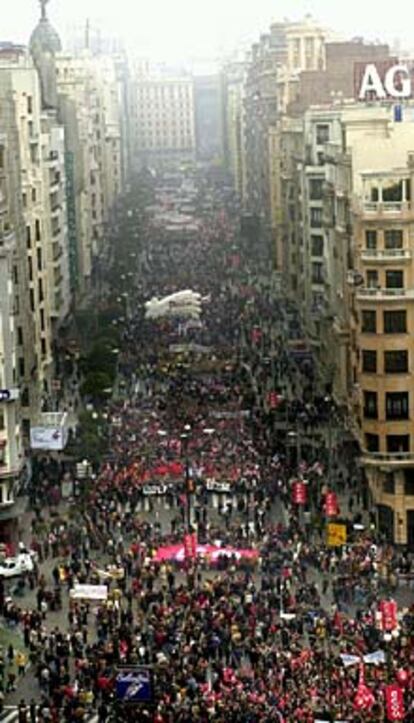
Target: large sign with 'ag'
x=134, y=685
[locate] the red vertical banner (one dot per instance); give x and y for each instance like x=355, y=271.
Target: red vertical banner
x=190, y=546
x=394, y=701
x=388, y=610
x=299, y=493
x=273, y=400
x=331, y=504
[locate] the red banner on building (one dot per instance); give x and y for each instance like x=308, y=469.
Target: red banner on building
x=299, y=493
x=388, y=610
x=331, y=504
x=394, y=701
x=190, y=546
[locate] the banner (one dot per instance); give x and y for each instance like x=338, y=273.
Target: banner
x=299, y=493
x=134, y=684
x=364, y=699
x=273, y=400
x=388, y=610
x=48, y=438
x=190, y=546
x=331, y=504
x=336, y=534
x=394, y=701
x=89, y=592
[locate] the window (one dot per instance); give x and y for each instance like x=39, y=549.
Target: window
x=409, y=482
x=42, y=319
x=32, y=300
x=369, y=360
x=389, y=484
x=316, y=189
x=370, y=405
x=2, y=420
x=39, y=259
x=397, y=443
x=371, y=239
x=396, y=405
x=28, y=237
x=394, y=279
x=393, y=238
x=396, y=362
x=392, y=192
x=40, y=288
x=372, y=279
x=316, y=217
x=322, y=134
x=29, y=260
x=372, y=442
x=21, y=366
x=395, y=322
x=20, y=336
x=37, y=225
x=29, y=104
x=317, y=273
x=43, y=347
x=369, y=321
x=317, y=245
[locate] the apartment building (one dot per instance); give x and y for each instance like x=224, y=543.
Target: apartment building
x=162, y=117
x=233, y=91
x=11, y=448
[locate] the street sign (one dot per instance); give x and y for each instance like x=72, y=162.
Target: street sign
x=336, y=534
x=134, y=684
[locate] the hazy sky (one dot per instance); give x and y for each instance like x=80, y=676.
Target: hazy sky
x=174, y=29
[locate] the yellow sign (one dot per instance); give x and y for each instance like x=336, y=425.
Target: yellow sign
x=336, y=534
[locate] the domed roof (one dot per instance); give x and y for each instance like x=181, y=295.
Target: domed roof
x=44, y=38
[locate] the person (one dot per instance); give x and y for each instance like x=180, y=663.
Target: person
x=33, y=710
x=22, y=710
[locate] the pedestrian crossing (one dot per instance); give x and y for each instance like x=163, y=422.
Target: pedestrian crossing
x=10, y=714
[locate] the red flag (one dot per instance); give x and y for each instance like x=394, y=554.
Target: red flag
x=388, y=609
x=394, y=700
x=364, y=699
x=299, y=493
x=190, y=546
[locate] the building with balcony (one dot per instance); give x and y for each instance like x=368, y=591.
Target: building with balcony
x=383, y=312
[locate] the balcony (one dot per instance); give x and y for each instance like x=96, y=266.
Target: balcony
x=56, y=231
x=386, y=210
x=57, y=252
x=385, y=295
x=377, y=459
x=386, y=255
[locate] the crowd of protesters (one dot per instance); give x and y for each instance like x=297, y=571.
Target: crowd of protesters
x=294, y=633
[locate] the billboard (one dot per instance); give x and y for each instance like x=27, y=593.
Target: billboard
x=134, y=684
x=48, y=438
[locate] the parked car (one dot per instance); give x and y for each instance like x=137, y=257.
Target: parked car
x=14, y=566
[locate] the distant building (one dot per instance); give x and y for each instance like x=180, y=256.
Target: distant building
x=209, y=117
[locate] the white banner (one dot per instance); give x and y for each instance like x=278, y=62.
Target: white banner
x=89, y=592
x=48, y=438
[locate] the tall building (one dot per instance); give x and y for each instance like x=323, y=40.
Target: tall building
x=233, y=90
x=162, y=118
x=209, y=117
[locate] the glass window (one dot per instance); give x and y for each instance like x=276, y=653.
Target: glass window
x=393, y=238
x=370, y=405
x=317, y=273
x=397, y=405
x=317, y=245
x=316, y=217
x=397, y=443
x=392, y=191
x=395, y=322
x=371, y=239
x=394, y=279
x=372, y=279
x=396, y=362
x=409, y=482
x=372, y=442
x=389, y=484
x=369, y=321
x=316, y=189
x=369, y=360
x=322, y=133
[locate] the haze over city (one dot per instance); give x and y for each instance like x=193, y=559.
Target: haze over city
x=171, y=31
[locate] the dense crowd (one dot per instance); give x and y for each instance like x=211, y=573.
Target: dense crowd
x=281, y=636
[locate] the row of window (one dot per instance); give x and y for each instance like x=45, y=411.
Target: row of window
x=393, y=238
x=395, y=362
x=397, y=405
x=394, y=279
x=394, y=322
x=395, y=443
